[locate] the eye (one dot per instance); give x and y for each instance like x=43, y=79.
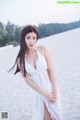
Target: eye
x=34, y=38
x=28, y=37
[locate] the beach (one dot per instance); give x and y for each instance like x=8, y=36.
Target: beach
x=15, y=94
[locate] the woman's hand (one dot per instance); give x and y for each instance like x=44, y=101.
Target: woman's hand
x=51, y=97
x=54, y=93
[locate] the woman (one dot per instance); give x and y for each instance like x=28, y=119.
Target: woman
x=35, y=64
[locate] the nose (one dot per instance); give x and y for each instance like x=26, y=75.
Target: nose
x=31, y=39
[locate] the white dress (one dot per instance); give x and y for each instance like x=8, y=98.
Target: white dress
x=40, y=77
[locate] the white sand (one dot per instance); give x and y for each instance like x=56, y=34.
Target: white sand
x=15, y=93
x=5, y=48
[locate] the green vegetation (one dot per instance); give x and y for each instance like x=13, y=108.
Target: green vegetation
x=10, y=33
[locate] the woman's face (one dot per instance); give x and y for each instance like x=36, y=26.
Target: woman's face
x=30, y=40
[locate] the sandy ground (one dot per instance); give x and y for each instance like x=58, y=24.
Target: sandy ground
x=5, y=48
x=15, y=94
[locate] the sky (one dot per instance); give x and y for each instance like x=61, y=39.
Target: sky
x=35, y=12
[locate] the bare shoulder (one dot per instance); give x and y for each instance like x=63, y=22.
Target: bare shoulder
x=42, y=48
x=48, y=57
x=44, y=51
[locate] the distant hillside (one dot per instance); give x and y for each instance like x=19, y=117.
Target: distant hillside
x=54, y=28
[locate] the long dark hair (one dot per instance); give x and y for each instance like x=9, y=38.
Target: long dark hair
x=23, y=49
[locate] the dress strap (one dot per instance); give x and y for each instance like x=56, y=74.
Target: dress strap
x=36, y=48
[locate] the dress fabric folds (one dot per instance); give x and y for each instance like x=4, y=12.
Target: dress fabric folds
x=39, y=76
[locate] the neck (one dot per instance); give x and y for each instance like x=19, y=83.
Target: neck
x=31, y=51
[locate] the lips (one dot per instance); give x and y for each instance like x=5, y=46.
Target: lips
x=30, y=45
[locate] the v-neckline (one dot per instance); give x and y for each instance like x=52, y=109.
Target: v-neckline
x=35, y=68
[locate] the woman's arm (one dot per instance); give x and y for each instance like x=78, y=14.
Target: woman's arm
x=38, y=89
x=31, y=83
x=51, y=72
x=47, y=95
x=34, y=86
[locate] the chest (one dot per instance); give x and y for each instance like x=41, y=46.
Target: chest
x=40, y=64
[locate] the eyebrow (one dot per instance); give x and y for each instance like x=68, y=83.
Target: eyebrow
x=30, y=36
